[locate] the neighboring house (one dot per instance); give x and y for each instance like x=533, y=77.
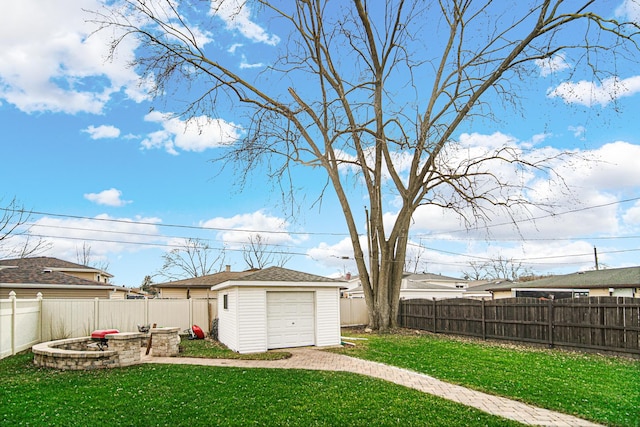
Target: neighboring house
x=55, y=278
x=429, y=286
x=624, y=282
x=278, y=308
x=197, y=287
x=351, y=282
x=480, y=289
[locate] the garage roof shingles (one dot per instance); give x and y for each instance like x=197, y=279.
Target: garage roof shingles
x=279, y=274
x=204, y=281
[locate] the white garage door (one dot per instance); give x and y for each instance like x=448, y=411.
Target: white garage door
x=290, y=319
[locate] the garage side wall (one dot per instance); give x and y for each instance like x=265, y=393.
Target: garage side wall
x=252, y=328
x=228, y=318
x=327, y=317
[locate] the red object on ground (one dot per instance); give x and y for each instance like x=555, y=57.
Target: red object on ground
x=197, y=331
x=100, y=333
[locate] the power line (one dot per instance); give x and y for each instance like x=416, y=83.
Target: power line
x=194, y=227
x=220, y=229
x=551, y=215
x=160, y=245
x=180, y=226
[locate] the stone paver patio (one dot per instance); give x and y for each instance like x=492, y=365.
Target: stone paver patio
x=315, y=359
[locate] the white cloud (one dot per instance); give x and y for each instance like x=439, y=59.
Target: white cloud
x=476, y=140
x=601, y=176
x=103, y=233
x=632, y=216
x=236, y=230
x=578, y=131
x=234, y=47
x=338, y=256
x=111, y=197
x=58, y=65
x=590, y=93
x=244, y=64
x=196, y=134
x=237, y=16
x=102, y=131
x=552, y=65
x=613, y=168
x=629, y=9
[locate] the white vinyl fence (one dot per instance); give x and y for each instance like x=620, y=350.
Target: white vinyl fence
x=70, y=318
x=19, y=324
x=353, y=312
x=25, y=322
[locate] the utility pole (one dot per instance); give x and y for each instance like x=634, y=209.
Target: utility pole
x=595, y=254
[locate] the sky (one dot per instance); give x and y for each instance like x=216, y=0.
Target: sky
x=100, y=163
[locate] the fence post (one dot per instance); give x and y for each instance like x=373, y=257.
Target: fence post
x=14, y=323
x=146, y=311
x=484, y=323
x=96, y=314
x=190, y=311
x=39, y=298
x=435, y=320
x=550, y=314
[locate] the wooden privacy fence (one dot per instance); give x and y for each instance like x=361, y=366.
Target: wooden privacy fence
x=596, y=323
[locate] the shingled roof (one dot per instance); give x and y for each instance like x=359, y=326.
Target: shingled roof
x=49, y=263
x=204, y=281
x=280, y=274
x=628, y=277
x=43, y=270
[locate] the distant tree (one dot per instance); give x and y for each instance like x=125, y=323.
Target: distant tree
x=84, y=257
x=374, y=93
x=15, y=238
x=147, y=282
x=194, y=258
x=257, y=253
x=416, y=262
x=500, y=268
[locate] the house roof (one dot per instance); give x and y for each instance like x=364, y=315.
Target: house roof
x=43, y=271
x=483, y=285
x=49, y=263
x=280, y=276
x=420, y=285
x=430, y=277
x=628, y=277
x=204, y=281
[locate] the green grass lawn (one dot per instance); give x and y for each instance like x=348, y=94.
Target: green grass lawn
x=210, y=349
x=175, y=395
x=602, y=389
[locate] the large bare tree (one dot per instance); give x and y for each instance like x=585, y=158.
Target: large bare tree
x=373, y=93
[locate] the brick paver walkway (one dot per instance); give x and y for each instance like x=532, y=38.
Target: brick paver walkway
x=314, y=359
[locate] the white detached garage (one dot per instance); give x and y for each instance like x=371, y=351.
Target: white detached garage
x=278, y=308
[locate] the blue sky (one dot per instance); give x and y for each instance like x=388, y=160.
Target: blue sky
x=100, y=162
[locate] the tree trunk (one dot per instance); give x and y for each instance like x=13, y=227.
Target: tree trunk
x=384, y=300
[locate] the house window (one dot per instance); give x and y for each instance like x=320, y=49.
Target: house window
x=225, y=301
